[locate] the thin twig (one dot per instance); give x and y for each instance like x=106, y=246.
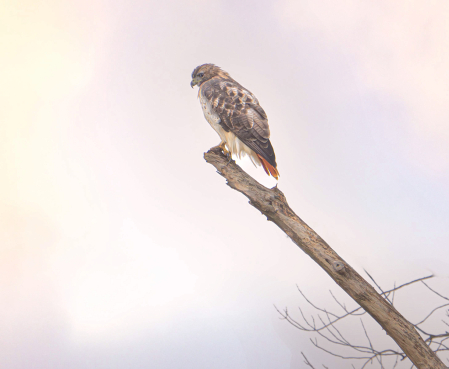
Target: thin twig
x=380, y=289
x=435, y=292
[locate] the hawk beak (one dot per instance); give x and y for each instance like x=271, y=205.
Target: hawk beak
x=194, y=82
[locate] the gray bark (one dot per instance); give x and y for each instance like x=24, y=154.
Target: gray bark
x=273, y=204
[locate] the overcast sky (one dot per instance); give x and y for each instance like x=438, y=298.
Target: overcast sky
x=121, y=248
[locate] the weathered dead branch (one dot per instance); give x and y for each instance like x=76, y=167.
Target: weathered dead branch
x=273, y=204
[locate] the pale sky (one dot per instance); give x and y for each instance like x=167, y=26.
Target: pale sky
x=121, y=248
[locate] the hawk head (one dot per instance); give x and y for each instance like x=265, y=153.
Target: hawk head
x=205, y=72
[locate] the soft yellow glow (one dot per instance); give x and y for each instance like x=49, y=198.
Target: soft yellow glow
x=43, y=61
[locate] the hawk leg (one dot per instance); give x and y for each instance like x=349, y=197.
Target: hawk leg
x=222, y=146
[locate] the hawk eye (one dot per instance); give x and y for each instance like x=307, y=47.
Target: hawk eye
x=200, y=75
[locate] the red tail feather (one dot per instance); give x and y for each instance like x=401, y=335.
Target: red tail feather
x=269, y=169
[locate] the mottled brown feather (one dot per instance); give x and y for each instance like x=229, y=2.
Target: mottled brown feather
x=239, y=112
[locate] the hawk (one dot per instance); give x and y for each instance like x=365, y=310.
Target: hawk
x=235, y=114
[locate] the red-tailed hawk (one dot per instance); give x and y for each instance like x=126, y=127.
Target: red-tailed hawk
x=235, y=114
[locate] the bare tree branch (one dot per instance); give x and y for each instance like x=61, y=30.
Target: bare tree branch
x=273, y=204
x=435, y=292
x=430, y=314
x=306, y=361
x=329, y=331
x=380, y=289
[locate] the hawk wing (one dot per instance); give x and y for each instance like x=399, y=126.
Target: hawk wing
x=239, y=112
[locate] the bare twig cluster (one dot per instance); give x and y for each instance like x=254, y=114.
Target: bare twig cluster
x=326, y=325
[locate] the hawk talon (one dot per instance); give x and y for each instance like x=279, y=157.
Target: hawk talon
x=228, y=155
x=224, y=150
